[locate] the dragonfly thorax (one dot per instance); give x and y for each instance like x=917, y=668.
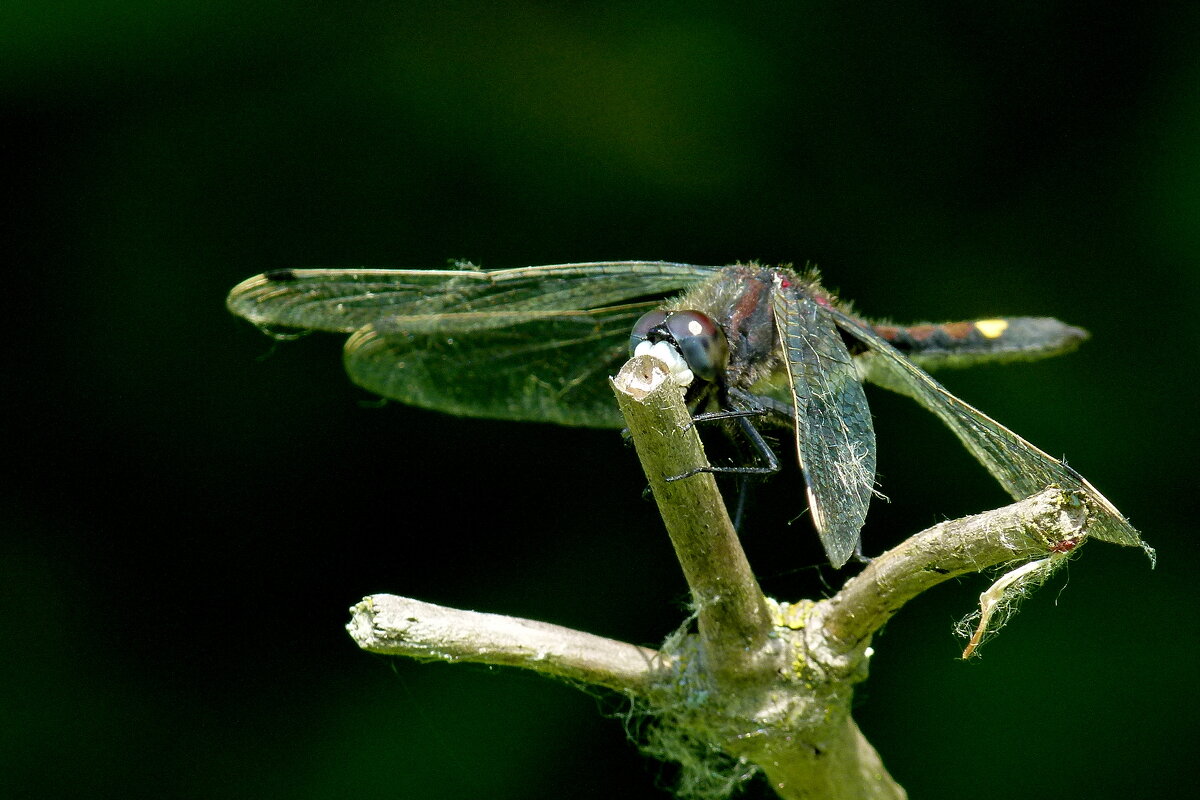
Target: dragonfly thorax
x=690, y=343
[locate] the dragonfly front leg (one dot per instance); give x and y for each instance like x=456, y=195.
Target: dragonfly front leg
x=742, y=418
x=754, y=406
x=764, y=451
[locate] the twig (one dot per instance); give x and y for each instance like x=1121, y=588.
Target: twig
x=399, y=626
x=1027, y=529
x=755, y=693
x=732, y=615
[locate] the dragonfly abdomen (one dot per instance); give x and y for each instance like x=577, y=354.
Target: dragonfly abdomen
x=955, y=344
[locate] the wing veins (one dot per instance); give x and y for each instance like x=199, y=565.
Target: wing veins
x=839, y=473
x=1028, y=470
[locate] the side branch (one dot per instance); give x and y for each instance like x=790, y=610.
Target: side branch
x=732, y=614
x=1033, y=527
x=399, y=626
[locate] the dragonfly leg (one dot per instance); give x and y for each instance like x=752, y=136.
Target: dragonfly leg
x=717, y=416
x=744, y=485
x=756, y=439
x=765, y=404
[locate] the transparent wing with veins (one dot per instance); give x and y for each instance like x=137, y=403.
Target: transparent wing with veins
x=543, y=367
x=535, y=343
x=835, y=439
x=344, y=300
x=1022, y=469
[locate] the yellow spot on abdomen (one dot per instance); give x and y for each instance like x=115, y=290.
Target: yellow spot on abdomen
x=992, y=328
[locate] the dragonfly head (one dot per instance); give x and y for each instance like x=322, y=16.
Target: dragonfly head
x=688, y=342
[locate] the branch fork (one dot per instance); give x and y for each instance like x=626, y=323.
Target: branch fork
x=764, y=685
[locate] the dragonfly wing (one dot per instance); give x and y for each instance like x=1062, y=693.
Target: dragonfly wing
x=835, y=439
x=534, y=343
x=1022, y=469
x=344, y=300
x=547, y=367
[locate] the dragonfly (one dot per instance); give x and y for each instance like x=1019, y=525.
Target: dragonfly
x=746, y=341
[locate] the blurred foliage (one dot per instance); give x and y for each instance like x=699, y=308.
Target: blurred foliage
x=189, y=519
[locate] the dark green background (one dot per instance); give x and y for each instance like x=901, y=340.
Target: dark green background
x=187, y=521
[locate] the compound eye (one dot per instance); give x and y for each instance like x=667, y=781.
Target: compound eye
x=641, y=331
x=701, y=342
